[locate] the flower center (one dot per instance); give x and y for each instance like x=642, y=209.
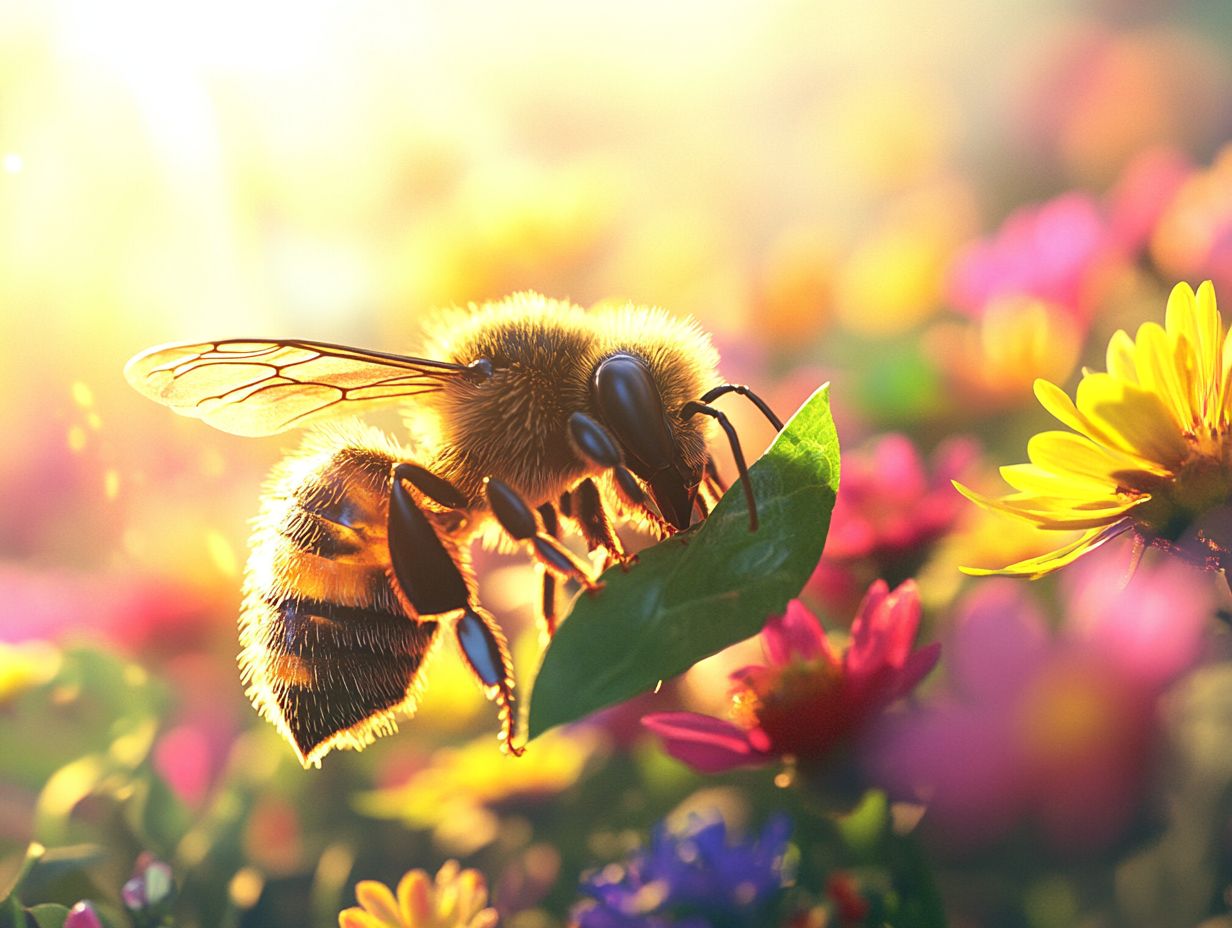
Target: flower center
x=1201, y=484
x=799, y=708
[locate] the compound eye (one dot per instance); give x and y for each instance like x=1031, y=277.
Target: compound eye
x=630, y=406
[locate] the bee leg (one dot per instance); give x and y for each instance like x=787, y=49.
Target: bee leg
x=692, y=408
x=487, y=653
x=595, y=524
x=711, y=395
x=702, y=504
x=710, y=490
x=518, y=520
x=595, y=443
x=433, y=584
x=437, y=489
x=547, y=609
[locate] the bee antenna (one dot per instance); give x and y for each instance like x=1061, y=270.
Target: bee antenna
x=692, y=408
x=748, y=394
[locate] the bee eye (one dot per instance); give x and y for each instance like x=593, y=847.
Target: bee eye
x=480, y=369
x=630, y=406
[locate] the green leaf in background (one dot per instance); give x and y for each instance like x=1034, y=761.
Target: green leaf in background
x=48, y=915
x=696, y=593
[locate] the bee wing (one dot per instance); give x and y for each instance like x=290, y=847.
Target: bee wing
x=255, y=387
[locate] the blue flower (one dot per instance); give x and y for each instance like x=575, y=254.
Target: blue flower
x=694, y=879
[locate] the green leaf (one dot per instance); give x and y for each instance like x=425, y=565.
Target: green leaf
x=48, y=915
x=34, y=853
x=696, y=593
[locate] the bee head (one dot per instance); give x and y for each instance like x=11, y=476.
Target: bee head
x=629, y=404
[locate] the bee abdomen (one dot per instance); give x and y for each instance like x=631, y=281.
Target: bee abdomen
x=307, y=627
x=330, y=652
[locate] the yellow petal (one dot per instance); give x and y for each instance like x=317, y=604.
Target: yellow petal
x=1062, y=408
x=1065, y=454
x=1208, y=322
x=377, y=899
x=1120, y=357
x=1135, y=420
x=1036, y=567
x=415, y=898
x=1226, y=382
x=1154, y=355
x=1029, y=478
x=358, y=918
x=472, y=893
x=1208, y=326
x=1054, y=513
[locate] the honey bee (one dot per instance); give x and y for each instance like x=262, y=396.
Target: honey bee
x=534, y=416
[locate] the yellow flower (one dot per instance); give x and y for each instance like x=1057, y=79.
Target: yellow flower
x=456, y=794
x=1151, y=451
x=24, y=666
x=455, y=900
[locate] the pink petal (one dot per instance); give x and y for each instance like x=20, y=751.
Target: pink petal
x=1151, y=627
x=884, y=629
x=898, y=465
x=918, y=666
x=795, y=635
x=903, y=620
x=706, y=744
x=861, y=626
x=995, y=643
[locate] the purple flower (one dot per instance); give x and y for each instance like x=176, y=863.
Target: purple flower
x=694, y=879
x=151, y=885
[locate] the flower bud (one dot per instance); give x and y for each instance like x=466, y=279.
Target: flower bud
x=83, y=915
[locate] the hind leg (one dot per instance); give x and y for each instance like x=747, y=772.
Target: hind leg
x=433, y=584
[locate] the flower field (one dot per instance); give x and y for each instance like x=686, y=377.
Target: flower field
x=948, y=639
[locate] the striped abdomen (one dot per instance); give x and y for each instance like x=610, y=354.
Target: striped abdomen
x=330, y=652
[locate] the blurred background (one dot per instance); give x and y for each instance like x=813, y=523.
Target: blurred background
x=928, y=205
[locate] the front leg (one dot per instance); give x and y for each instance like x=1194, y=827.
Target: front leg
x=595, y=444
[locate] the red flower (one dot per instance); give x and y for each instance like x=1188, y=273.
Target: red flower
x=807, y=700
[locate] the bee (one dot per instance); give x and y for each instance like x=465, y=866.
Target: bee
x=527, y=416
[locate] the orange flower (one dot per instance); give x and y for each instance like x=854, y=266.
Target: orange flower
x=456, y=899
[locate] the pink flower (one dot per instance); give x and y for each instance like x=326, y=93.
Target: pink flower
x=1057, y=729
x=806, y=701
x=1143, y=194
x=891, y=509
x=1057, y=252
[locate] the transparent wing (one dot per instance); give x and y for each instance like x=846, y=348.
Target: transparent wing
x=254, y=387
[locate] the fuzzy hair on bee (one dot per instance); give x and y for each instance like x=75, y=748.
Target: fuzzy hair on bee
x=527, y=416
x=544, y=353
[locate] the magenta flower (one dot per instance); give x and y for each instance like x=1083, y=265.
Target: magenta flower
x=891, y=510
x=1054, y=729
x=1057, y=252
x=807, y=701
x=1143, y=194
x=83, y=915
